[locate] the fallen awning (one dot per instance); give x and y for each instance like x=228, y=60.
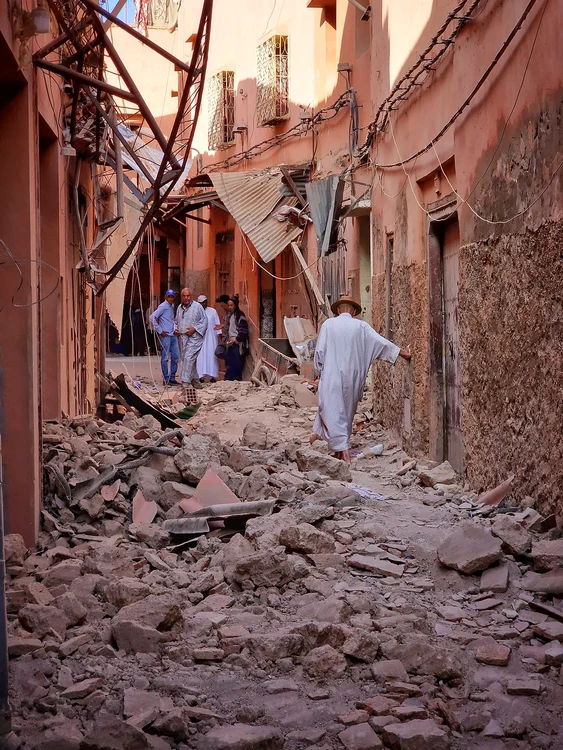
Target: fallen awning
x=253, y=200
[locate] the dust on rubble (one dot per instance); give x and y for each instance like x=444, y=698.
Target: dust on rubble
x=328, y=623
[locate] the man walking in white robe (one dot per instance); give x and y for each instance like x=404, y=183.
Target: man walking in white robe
x=207, y=362
x=346, y=349
x=191, y=325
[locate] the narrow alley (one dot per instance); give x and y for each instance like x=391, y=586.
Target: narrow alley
x=319, y=618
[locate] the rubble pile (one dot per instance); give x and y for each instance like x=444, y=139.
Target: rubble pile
x=190, y=591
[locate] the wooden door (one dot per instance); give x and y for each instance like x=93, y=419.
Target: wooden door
x=452, y=364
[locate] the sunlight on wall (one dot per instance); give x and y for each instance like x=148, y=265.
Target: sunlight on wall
x=404, y=37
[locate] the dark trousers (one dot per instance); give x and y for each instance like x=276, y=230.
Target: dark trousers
x=234, y=362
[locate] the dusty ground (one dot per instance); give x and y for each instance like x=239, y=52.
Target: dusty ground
x=271, y=639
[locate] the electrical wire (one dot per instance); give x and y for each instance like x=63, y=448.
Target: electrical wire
x=278, y=278
x=21, y=281
x=471, y=96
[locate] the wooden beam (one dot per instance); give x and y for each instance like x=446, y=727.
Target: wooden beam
x=308, y=275
x=291, y=183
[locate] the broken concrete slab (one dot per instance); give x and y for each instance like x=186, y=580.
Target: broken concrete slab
x=310, y=460
x=376, y=565
x=469, y=549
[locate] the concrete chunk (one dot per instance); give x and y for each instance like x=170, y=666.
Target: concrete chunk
x=469, y=549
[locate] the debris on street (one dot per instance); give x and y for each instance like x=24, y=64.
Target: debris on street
x=225, y=585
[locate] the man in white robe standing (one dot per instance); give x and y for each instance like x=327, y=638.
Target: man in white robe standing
x=191, y=325
x=207, y=362
x=346, y=348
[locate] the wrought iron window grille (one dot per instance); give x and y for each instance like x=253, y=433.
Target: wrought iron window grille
x=272, y=81
x=221, y=108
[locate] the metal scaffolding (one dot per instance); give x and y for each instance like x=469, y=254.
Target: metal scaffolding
x=99, y=112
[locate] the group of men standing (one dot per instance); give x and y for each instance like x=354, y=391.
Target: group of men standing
x=188, y=337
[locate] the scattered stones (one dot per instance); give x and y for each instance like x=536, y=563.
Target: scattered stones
x=376, y=565
x=524, y=686
x=324, y=662
x=110, y=733
x=544, y=583
x=469, y=549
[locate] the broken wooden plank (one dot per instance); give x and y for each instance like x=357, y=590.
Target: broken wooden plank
x=308, y=275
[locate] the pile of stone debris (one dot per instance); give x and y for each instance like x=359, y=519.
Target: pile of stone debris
x=150, y=617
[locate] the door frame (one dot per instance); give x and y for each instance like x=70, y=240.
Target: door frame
x=438, y=213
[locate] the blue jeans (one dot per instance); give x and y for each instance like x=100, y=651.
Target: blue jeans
x=169, y=346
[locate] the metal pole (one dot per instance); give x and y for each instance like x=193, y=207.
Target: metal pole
x=5, y=711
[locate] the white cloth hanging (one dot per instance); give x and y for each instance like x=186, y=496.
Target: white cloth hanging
x=346, y=349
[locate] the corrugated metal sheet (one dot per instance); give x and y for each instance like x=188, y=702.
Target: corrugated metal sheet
x=325, y=197
x=252, y=199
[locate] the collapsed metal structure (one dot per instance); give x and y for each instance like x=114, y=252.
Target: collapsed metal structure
x=111, y=127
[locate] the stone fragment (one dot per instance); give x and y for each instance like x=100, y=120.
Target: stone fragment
x=151, y=534
x=493, y=730
x=269, y=567
x=389, y=669
x=111, y=733
x=524, y=686
x=171, y=724
x=544, y=583
x=18, y=646
x=442, y=474
x=255, y=435
x=43, y=620
x=324, y=662
x=92, y=506
x=495, y=579
x=489, y=603
x=550, y=630
x=354, y=717
x=376, y=565
x=419, y=734
x=489, y=651
x=469, y=549
x=333, y=609
x=73, y=609
x=516, y=540
x=422, y=657
x=274, y=646
x=173, y=493
x=362, y=645
x=310, y=460
x=14, y=549
x=201, y=451
x=144, y=510
x=306, y=538
x=63, y=573
x=106, y=560
x=554, y=654
x=148, y=482
x=73, y=644
x=243, y=737
x=377, y=705
x=451, y=613
x=548, y=555
x=360, y=737
x=82, y=689
x=407, y=712
x=208, y=654
x=125, y=591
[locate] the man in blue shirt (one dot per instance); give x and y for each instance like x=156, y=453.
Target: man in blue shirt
x=163, y=322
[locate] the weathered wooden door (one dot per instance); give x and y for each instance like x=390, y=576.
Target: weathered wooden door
x=452, y=364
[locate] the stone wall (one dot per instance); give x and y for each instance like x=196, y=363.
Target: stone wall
x=511, y=320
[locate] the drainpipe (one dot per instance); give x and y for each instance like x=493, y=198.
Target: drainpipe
x=5, y=713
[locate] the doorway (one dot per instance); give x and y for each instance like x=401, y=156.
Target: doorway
x=268, y=301
x=446, y=428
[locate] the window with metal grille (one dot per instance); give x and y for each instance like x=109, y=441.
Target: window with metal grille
x=221, y=108
x=272, y=80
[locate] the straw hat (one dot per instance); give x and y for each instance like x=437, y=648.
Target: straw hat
x=344, y=299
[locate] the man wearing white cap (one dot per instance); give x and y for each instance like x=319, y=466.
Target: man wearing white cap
x=207, y=362
x=191, y=325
